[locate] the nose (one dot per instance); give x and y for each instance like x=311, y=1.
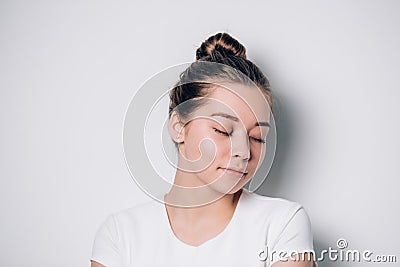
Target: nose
x=241, y=146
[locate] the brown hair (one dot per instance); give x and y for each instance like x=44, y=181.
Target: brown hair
x=233, y=66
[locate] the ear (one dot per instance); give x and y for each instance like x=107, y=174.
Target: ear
x=176, y=128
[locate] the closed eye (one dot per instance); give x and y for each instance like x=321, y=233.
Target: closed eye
x=222, y=132
x=258, y=140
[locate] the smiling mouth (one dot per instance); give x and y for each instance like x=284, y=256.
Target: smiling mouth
x=234, y=173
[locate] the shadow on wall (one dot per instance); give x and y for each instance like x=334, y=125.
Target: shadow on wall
x=276, y=182
x=274, y=185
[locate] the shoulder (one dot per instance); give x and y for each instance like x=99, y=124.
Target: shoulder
x=285, y=224
x=136, y=216
x=274, y=206
x=276, y=215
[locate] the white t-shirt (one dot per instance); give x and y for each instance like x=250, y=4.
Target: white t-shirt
x=260, y=226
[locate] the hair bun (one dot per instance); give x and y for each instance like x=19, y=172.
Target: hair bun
x=222, y=43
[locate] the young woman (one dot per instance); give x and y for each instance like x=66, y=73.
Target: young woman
x=219, y=117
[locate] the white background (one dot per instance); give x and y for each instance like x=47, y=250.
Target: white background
x=70, y=68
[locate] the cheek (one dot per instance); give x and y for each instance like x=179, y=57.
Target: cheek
x=199, y=144
x=257, y=156
x=223, y=147
x=207, y=148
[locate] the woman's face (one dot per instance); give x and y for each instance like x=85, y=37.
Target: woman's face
x=224, y=142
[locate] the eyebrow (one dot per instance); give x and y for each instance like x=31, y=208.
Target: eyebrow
x=228, y=116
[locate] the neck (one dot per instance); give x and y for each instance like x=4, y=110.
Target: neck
x=221, y=209
x=192, y=200
x=189, y=190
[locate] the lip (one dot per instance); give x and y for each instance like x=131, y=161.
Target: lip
x=234, y=172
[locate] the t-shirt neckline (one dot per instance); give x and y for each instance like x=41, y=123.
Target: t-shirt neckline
x=209, y=241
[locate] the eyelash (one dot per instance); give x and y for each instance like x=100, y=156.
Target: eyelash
x=258, y=140
x=222, y=132
x=229, y=134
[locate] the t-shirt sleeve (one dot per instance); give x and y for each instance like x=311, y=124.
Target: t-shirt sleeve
x=295, y=236
x=105, y=248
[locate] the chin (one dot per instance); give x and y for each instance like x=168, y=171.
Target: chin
x=227, y=187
